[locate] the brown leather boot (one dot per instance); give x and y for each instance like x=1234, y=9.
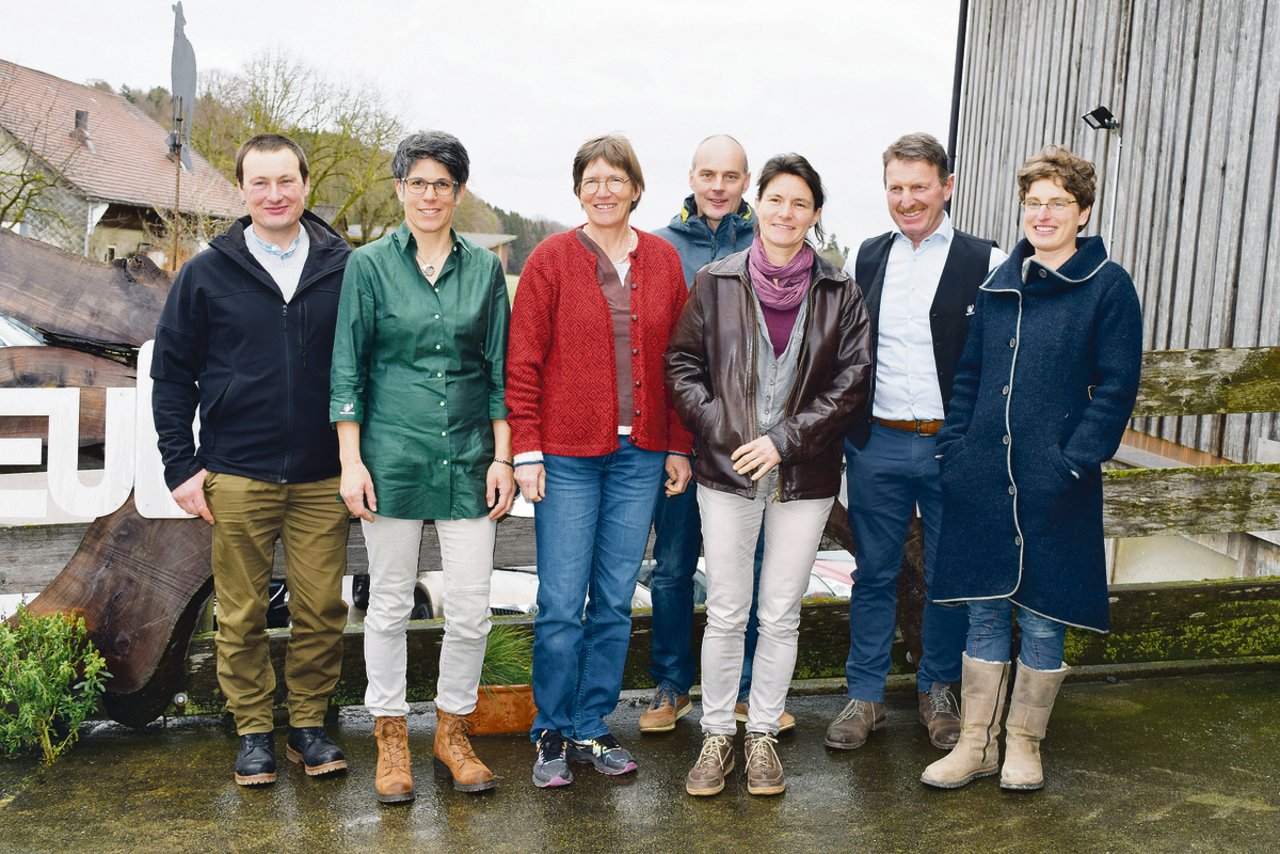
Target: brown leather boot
x=1029, y=710
x=393, y=781
x=455, y=758
x=977, y=753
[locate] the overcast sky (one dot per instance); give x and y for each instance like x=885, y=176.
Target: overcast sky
x=523, y=84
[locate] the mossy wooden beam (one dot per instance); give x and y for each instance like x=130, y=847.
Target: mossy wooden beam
x=1209, y=382
x=1150, y=623
x=1203, y=500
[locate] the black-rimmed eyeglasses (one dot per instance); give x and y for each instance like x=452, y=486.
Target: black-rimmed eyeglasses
x=418, y=186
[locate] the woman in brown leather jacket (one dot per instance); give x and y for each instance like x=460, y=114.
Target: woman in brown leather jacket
x=768, y=367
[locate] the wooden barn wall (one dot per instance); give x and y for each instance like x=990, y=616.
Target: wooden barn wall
x=1192, y=172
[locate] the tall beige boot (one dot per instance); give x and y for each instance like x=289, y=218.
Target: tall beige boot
x=1033, y=694
x=455, y=757
x=977, y=752
x=393, y=781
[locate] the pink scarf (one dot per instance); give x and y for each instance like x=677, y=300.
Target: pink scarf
x=780, y=287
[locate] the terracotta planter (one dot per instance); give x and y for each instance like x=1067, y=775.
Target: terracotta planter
x=503, y=710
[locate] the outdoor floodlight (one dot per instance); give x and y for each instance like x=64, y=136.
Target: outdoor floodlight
x=1100, y=118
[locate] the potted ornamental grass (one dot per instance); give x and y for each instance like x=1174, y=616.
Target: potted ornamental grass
x=504, y=705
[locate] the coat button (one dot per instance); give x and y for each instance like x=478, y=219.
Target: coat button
x=635, y=317
x=1013, y=342
x=637, y=412
x=637, y=383
x=635, y=352
x=1043, y=274
x=1004, y=390
x=1012, y=490
x=1017, y=541
x=1005, y=439
x=633, y=286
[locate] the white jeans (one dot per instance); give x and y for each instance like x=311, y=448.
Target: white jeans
x=466, y=552
x=730, y=526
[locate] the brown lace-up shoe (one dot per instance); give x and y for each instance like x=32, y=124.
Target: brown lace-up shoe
x=393, y=781
x=857, y=720
x=665, y=709
x=940, y=714
x=456, y=759
x=706, y=777
x=764, y=769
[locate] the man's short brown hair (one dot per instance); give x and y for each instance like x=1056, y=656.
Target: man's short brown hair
x=919, y=146
x=270, y=142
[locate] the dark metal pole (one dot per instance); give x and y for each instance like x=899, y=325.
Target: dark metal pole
x=956, y=80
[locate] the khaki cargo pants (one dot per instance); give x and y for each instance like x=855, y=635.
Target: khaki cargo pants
x=312, y=525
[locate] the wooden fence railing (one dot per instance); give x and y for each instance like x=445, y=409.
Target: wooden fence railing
x=1151, y=622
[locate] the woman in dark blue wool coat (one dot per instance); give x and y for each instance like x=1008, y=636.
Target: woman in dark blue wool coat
x=1042, y=396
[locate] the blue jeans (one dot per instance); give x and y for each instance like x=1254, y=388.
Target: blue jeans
x=676, y=544
x=990, y=628
x=591, y=531
x=888, y=478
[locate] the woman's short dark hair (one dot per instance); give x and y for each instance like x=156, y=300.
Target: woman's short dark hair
x=1076, y=175
x=270, y=142
x=614, y=149
x=443, y=148
x=793, y=164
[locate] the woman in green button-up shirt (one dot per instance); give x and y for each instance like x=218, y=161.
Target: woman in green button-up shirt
x=417, y=396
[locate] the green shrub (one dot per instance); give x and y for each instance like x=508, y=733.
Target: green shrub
x=51, y=677
x=508, y=656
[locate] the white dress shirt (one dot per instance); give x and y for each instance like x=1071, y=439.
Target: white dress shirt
x=906, y=371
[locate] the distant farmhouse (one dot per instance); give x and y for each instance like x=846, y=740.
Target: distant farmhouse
x=96, y=171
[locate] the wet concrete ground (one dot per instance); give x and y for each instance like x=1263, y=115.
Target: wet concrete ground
x=1173, y=763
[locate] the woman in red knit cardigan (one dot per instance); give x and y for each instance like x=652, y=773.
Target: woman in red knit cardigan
x=593, y=431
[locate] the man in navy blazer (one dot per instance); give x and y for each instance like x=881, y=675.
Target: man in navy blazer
x=919, y=282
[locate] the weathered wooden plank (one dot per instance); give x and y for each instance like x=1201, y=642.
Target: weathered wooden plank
x=1150, y=623
x=1209, y=499
x=1202, y=382
x=58, y=367
x=32, y=555
x=75, y=298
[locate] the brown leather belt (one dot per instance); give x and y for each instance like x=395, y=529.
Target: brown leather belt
x=923, y=428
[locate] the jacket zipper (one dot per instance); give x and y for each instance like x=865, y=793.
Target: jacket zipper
x=751, y=360
x=288, y=384
x=789, y=410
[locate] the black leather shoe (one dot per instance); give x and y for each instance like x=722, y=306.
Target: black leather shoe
x=256, y=761
x=310, y=745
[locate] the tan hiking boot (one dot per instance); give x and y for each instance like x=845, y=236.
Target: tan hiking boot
x=393, y=781
x=456, y=759
x=856, y=721
x=764, y=769
x=940, y=714
x=976, y=754
x=706, y=777
x=665, y=709
x=1029, y=709
x=786, y=722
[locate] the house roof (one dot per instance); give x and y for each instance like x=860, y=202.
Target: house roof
x=126, y=159
x=488, y=241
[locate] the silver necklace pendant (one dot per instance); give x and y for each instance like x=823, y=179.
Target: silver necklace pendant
x=428, y=270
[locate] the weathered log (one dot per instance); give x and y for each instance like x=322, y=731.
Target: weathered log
x=139, y=584
x=1209, y=382
x=59, y=367
x=1203, y=500
x=1150, y=623
x=82, y=304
